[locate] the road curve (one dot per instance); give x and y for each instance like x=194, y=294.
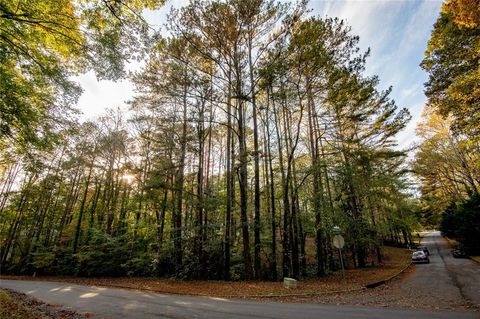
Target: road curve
x=119, y=303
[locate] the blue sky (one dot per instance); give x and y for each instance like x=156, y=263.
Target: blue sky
x=396, y=31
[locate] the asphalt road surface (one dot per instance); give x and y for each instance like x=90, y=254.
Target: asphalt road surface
x=445, y=280
x=119, y=303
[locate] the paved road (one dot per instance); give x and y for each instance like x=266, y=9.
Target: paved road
x=444, y=283
x=447, y=279
x=118, y=303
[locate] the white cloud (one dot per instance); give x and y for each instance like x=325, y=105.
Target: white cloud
x=396, y=31
x=417, y=27
x=413, y=89
x=372, y=20
x=100, y=95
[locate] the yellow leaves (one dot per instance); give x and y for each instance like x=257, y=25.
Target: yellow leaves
x=445, y=161
x=433, y=124
x=42, y=32
x=466, y=12
x=466, y=90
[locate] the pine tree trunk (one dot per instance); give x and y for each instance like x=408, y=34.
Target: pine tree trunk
x=229, y=182
x=257, y=241
x=81, y=211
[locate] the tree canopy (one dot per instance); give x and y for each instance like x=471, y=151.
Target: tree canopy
x=253, y=131
x=453, y=61
x=44, y=43
x=447, y=160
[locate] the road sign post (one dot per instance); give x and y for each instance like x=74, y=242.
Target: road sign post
x=339, y=242
x=341, y=262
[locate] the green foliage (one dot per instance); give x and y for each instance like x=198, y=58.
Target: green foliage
x=447, y=166
x=447, y=159
x=452, y=59
x=43, y=43
x=462, y=222
x=172, y=192
x=43, y=261
x=111, y=256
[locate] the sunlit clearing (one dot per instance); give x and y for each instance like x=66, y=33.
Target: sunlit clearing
x=128, y=178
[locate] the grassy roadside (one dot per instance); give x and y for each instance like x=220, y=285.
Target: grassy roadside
x=14, y=309
x=395, y=259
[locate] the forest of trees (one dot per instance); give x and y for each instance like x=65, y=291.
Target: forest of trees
x=252, y=133
x=447, y=161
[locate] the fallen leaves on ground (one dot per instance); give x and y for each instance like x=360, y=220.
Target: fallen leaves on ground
x=334, y=289
x=393, y=294
x=395, y=259
x=15, y=305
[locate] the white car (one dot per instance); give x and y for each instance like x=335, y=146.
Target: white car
x=419, y=257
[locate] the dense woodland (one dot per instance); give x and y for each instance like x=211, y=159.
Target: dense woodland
x=447, y=161
x=252, y=133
